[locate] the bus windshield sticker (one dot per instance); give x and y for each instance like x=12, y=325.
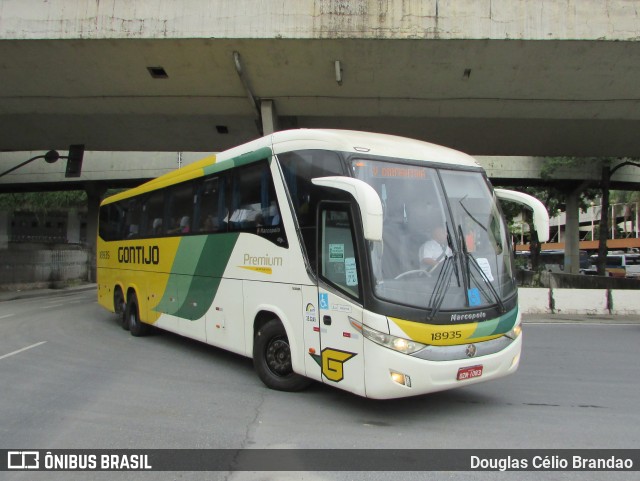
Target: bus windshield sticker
x=486, y=268
x=350, y=271
x=336, y=252
x=474, y=297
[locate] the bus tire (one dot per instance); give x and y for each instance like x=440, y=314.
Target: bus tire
x=272, y=359
x=136, y=326
x=120, y=308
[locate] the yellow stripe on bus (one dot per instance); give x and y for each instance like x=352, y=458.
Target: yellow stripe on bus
x=438, y=335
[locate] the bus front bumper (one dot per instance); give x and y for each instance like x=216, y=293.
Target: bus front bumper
x=390, y=374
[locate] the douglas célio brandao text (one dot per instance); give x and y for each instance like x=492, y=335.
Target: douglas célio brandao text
x=550, y=463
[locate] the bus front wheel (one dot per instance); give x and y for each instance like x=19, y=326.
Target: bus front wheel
x=136, y=326
x=272, y=359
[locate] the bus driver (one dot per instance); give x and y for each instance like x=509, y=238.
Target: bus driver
x=435, y=250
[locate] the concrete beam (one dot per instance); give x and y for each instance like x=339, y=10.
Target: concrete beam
x=269, y=117
x=395, y=19
x=130, y=168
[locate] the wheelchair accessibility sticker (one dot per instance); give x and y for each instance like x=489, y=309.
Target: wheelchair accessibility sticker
x=324, y=301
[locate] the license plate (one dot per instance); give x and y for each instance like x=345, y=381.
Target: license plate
x=469, y=372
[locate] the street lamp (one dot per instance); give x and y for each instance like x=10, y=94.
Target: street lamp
x=74, y=160
x=50, y=157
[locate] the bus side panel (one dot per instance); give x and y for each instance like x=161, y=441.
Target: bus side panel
x=190, y=298
x=284, y=301
x=311, y=330
x=106, y=275
x=106, y=281
x=159, y=289
x=225, y=326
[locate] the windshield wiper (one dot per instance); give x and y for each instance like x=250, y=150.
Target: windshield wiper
x=474, y=262
x=471, y=215
x=437, y=296
x=483, y=276
x=448, y=268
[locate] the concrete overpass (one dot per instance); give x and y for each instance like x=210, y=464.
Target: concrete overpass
x=104, y=170
x=489, y=77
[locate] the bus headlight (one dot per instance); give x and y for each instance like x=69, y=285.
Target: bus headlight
x=515, y=332
x=398, y=344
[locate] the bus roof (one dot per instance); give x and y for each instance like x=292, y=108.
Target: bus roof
x=370, y=143
x=324, y=139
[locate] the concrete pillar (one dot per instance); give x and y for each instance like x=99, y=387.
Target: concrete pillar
x=572, y=234
x=73, y=226
x=94, y=196
x=4, y=230
x=269, y=117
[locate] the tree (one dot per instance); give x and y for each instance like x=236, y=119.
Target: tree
x=43, y=202
x=607, y=172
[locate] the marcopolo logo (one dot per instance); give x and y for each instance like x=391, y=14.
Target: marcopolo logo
x=474, y=316
x=139, y=255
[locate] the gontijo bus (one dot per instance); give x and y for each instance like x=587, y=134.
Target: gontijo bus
x=301, y=250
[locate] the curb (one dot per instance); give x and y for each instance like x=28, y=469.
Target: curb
x=35, y=293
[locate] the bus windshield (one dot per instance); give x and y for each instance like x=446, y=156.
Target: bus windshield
x=445, y=245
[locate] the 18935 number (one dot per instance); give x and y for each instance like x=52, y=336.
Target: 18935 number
x=446, y=336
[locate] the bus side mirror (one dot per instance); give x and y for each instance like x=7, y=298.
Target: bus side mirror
x=540, y=214
x=367, y=198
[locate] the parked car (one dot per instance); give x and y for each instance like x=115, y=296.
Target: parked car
x=552, y=260
x=620, y=265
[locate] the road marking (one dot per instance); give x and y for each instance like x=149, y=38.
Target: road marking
x=49, y=306
x=23, y=349
x=6, y=315
x=580, y=323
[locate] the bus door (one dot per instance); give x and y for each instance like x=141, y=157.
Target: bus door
x=339, y=292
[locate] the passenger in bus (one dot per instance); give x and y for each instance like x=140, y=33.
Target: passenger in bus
x=157, y=226
x=183, y=226
x=435, y=250
x=209, y=224
x=133, y=231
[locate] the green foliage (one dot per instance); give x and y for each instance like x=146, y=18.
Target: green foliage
x=42, y=202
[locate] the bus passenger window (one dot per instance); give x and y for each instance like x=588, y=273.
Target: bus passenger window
x=181, y=207
x=132, y=219
x=299, y=167
x=211, y=206
x=253, y=201
x=152, y=214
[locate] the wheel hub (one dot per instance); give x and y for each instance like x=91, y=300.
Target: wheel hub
x=279, y=357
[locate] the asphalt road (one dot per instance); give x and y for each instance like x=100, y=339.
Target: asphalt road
x=70, y=377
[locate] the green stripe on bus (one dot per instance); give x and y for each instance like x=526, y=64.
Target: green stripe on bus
x=507, y=321
x=500, y=325
x=196, y=274
x=248, y=158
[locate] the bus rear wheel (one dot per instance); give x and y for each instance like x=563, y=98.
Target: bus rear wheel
x=120, y=308
x=272, y=359
x=132, y=313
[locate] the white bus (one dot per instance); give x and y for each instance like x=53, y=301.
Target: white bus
x=314, y=252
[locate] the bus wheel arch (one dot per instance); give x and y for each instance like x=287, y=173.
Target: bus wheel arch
x=272, y=355
x=132, y=316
